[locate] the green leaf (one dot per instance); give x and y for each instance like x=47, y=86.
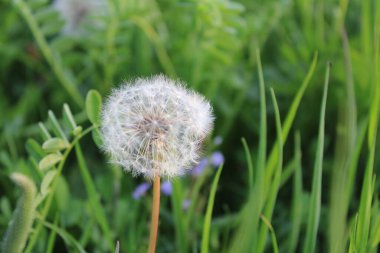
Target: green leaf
x=97, y=137
x=376, y=233
x=46, y=182
x=34, y=149
x=77, y=130
x=55, y=144
x=61, y=194
x=69, y=239
x=273, y=234
x=44, y=132
x=68, y=117
x=49, y=161
x=93, y=106
x=57, y=129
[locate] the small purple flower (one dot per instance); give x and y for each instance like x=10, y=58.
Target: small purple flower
x=140, y=190
x=217, y=159
x=186, y=204
x=198, y=170
x=218, y=140
x=166, y=188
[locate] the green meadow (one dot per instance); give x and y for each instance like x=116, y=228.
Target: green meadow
x=290, y=166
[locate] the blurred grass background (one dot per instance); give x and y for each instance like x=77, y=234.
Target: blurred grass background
x=55, y=52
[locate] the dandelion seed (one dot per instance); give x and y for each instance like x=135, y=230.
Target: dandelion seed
x=154, y=127
x=201, y=166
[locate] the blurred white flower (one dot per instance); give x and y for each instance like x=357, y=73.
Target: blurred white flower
x=77, y=12
x=154, y=127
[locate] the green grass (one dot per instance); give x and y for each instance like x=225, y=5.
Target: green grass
x=299, y=171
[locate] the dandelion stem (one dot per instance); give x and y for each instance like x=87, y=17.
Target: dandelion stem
x=155, y=215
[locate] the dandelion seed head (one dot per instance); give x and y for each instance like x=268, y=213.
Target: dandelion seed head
x=77, y=12
x=155, y=126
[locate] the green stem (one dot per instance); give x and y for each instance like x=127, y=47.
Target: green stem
x=155, y=215
x=49, y=200
x=93, y=196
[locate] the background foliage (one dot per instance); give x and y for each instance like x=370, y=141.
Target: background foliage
x=316, y=192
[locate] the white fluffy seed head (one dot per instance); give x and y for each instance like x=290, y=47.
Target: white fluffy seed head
x=155, y=127
x=76, y=13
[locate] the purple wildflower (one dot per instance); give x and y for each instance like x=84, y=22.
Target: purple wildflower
x=186, y=204
x=217, y=159
x=140, y=190
x=218, y=140
x=166, y=188
x=198, y=170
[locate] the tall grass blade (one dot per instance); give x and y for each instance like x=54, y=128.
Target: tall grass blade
x=297, y=204
x=344, y=150
x=210, y=206
x=273, y=157
x=179, y=218
x=273, y=234
x=246, y=236
x=364, y=215
x=275, y=185
x=315, y=201
x=249, y=163
x=93, y=197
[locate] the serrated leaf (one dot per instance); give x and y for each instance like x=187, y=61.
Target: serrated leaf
x=49, y=161
x=46, y=182
x=55, y=144
x=93, y=106
x=34, y=149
